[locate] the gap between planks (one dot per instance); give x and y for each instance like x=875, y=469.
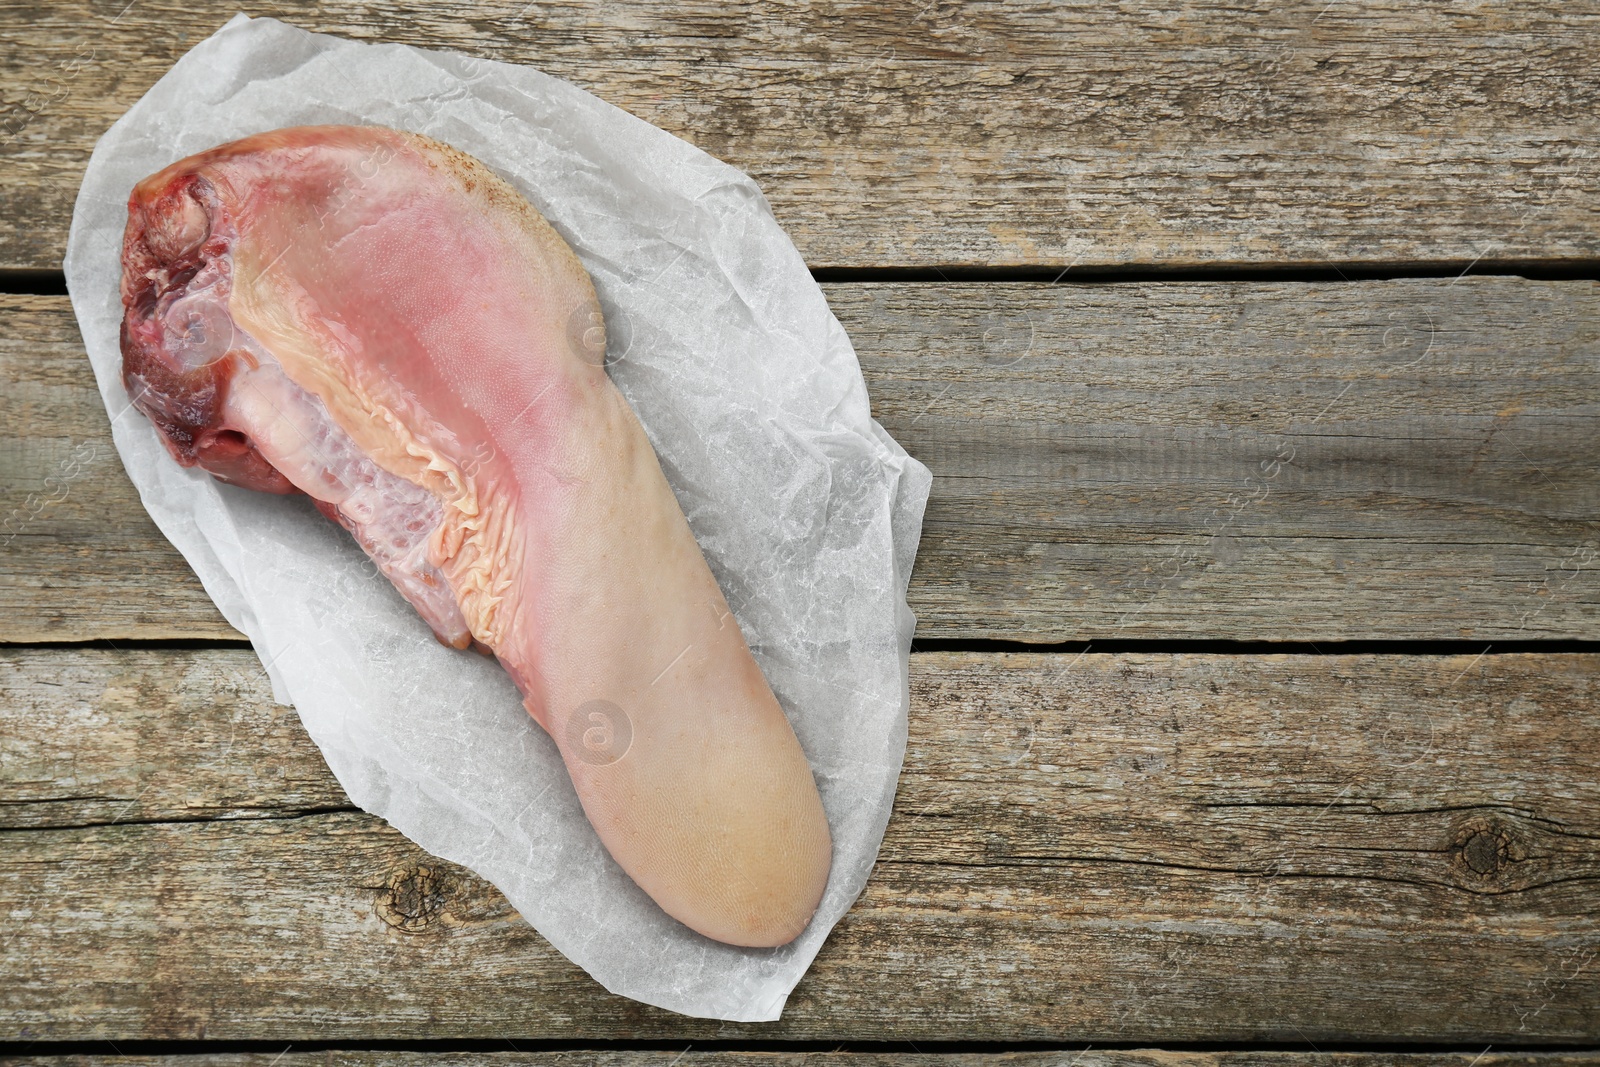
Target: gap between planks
x=531, y=1054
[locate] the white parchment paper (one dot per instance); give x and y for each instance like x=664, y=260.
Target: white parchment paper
x=808, y=512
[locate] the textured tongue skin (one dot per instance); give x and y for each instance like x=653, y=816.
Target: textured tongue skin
x=410, y=343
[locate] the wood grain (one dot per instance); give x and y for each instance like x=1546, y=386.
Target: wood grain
x=981, y=132
x=1266, y=461
x=1162, y=848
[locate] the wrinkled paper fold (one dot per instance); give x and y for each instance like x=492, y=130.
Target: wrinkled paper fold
x=808, y=512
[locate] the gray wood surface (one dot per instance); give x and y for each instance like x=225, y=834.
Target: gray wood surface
x=1161, y=848
x=1268, y=461
x=1180, y=849
x=981, y=133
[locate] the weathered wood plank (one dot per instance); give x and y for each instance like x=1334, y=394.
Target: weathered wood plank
x=1401, y=459
x=691, y=1058
x=1386, y=459
x=100, y=736
x=1135, y=847
x=982, y=132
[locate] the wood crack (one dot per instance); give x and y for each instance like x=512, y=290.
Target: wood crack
x=266, y=815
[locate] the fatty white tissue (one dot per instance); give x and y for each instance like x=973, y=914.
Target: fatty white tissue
x=808, y=512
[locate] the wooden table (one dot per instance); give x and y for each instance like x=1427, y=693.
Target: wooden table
x=1255, y=349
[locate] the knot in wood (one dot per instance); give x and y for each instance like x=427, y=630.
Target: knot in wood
x=1482, y=852
x=414, y=898
x=1484, y=848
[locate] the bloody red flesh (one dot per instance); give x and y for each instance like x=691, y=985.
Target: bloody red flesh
x=173, y=241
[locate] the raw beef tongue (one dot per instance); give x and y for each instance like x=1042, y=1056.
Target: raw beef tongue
x=377, y=320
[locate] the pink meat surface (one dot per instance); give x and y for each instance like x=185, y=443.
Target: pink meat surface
x=376, y=320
